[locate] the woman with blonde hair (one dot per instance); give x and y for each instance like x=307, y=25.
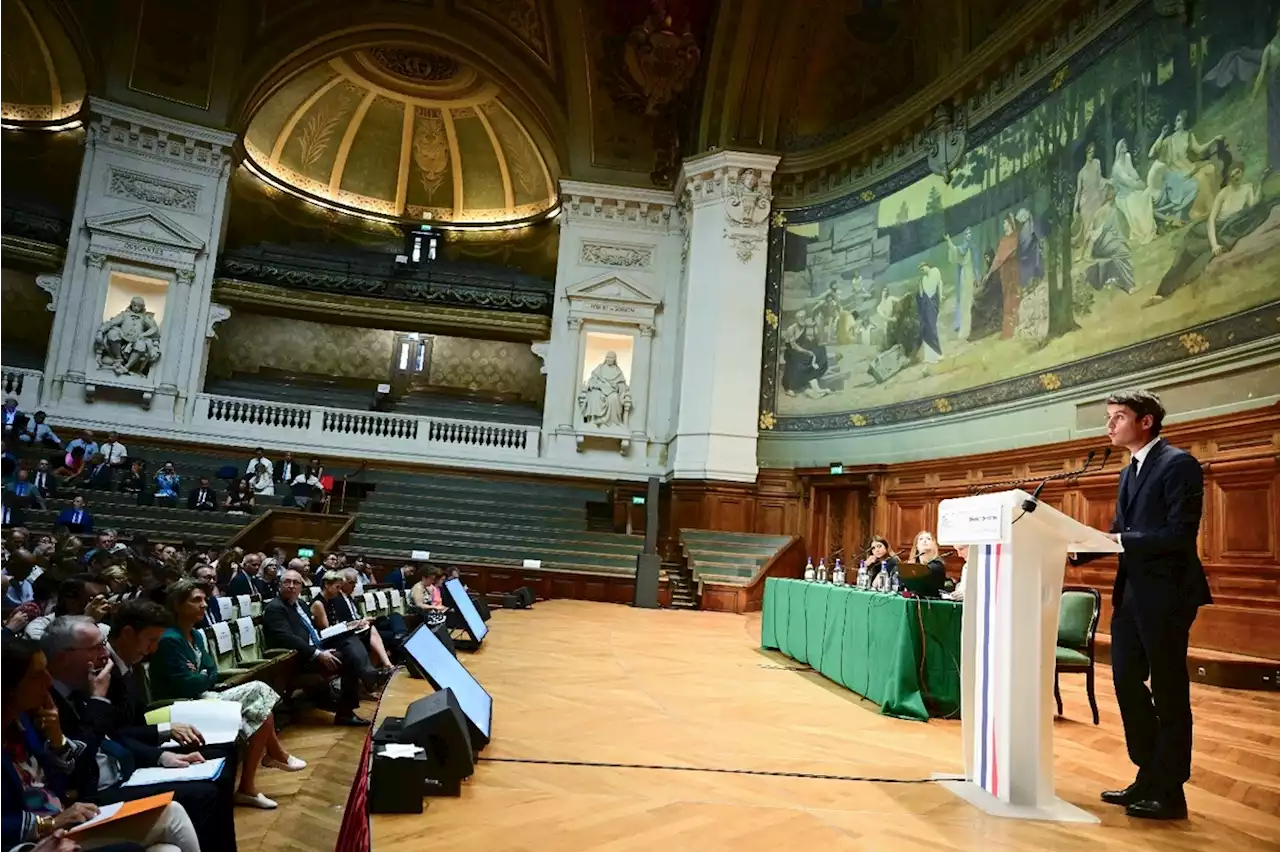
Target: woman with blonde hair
x=924, y=551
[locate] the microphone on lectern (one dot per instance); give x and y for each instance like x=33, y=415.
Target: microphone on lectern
x=1030, y=504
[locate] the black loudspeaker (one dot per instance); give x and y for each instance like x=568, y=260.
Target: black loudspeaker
x=436, y=723
x=648, y=567
x=521, y=598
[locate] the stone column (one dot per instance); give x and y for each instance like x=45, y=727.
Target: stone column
x=148, y=221
x=727, y=195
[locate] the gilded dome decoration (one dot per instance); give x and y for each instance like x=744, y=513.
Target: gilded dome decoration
x=399, y=132
x=44, y=84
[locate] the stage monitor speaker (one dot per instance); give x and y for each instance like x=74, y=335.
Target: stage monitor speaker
x=438, y=724
x=430, y=659
x=648, y=566
x=521, y=598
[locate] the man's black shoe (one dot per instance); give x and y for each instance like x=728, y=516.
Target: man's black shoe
x=1127, y=796
x=1157, y=809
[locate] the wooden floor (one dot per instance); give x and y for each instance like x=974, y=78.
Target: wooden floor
x=601, y=683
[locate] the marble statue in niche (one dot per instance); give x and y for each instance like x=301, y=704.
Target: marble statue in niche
x=129, y=341
x=605, y=399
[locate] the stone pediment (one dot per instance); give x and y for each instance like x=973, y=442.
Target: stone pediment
x=148, y=225
x=612, y=287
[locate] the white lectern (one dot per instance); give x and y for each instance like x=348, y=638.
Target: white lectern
x=1009, y=633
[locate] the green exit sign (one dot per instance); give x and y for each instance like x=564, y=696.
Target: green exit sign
x=837, y=469
x=637, y=500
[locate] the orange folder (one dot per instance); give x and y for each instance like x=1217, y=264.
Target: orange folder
x=122, y=810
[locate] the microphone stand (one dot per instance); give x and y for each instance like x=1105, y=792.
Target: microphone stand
x=1030, y=504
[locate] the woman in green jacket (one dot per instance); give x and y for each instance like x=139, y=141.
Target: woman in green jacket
x=183, y=668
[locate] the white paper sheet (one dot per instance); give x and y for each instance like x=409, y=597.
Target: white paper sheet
x=248, y=636
x=225, y=606
x=105, y=812
x=396, y=598
x=217, y=721
x=206, y=771
x=243, y=602
x=381, y=598
x=370, y=603
x=335, y=630
x=222, y=637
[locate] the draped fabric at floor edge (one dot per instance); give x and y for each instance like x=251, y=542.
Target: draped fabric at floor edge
x=869, y=643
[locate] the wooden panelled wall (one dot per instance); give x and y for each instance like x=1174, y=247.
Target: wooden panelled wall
x=1239, y=535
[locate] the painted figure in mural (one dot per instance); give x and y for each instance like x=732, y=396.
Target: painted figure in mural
x=1030, y=250
x=1238, y=211
x=1191, y=181
x=1268, y=79
x=1089, y=184
x=605, y=399
x=1111, y=263
x=129, y=341
x=1006, y=263
x=928, y=301
x=804, y=358
x=1133, y=198
x=963, y=254
x=827, y=314
x=987, y=316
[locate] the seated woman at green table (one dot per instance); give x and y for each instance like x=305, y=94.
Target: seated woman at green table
x=925, y=552
x=882, y=564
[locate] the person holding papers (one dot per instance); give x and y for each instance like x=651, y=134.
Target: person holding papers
x=184, y=668
x=111, y=768
x=39, y=757
x=332, y=607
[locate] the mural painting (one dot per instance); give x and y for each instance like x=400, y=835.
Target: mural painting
x=1131, y=200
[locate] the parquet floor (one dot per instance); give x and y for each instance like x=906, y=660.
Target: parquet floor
x=600, y=683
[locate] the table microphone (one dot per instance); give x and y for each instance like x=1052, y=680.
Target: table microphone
x=1030, y=504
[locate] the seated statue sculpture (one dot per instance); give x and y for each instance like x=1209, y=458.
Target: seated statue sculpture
x=605, y=400
x=129, y=341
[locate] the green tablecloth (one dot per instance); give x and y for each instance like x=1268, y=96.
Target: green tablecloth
x=869, y=643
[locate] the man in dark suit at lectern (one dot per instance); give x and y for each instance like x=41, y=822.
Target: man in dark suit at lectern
x=1159, y=587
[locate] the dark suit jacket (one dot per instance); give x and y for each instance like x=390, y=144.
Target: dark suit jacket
x=211, y=498
x=1158, y=523
x=98, y=477
x=50, y=487
x=91, y=725
x=282, y=627
x=241, y=584
x=395, y=578
x=85, y=525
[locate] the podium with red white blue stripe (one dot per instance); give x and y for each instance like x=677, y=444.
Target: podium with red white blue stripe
x=1013, y=588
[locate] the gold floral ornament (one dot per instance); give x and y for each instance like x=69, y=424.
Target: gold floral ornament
x=867, y=195
x=942, y=405
x=1050, y=381
x=857, y=420
x=771, y=318
x=779, y=218
x=767, y=420
x=1194, y=342
x=1059, y=79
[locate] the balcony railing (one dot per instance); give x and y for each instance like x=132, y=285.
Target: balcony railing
x=342, y=430
x=23, y=384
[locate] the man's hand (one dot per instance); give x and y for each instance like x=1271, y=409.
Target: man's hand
x=75, y=814
x=98, y=609
x=169, y=760
x=329, y=660
x=48, y=722
x=17, y=620
x=186, y=735
x=100, y=682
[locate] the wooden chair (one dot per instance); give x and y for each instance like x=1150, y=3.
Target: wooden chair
x=1077, y=626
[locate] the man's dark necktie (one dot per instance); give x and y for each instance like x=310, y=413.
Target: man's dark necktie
x=1131, y=484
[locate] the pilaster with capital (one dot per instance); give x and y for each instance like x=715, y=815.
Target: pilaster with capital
x=140, y=262
x=729, y=196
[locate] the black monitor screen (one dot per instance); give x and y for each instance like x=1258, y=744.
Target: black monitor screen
x=467, y=608
x=444, y=671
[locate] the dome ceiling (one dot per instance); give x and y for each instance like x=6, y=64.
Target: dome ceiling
x=43, y=79
x=401, y=132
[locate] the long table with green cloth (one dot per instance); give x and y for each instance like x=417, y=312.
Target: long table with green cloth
x=870, y=643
